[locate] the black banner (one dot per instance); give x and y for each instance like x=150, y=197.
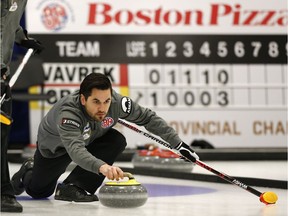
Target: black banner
x=206, y=49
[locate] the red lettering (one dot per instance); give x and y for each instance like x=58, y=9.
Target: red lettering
x=283, y=20
x=267, y=18
x=250, y=18
x=220, y=14
x=93, y=12
x=217, y=11
x=143, y=17
x=158, y=16
x=199, y=17
x=168, y=20
x=236, y=18
x=120, y=17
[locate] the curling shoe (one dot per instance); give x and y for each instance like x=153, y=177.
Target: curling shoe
x=17, y=178
x=10, y=204
x=70, y=192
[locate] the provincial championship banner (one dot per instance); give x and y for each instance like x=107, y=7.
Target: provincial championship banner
x=214, y=70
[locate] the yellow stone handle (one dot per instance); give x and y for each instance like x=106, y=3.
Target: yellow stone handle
x=131, y=181
x=129, y=175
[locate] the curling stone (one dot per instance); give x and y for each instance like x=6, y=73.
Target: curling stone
x=145, y=158
x=123, y=194
x=168, y=160
x=141, y=159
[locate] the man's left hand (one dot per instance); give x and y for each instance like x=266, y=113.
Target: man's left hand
x=34, y=44
x=187, y=152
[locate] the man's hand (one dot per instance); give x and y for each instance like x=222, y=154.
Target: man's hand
x=187, y=152
x=4, y=86
x=111, y=172
x=34, y=44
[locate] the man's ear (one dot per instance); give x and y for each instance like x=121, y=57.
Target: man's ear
x=82, y=99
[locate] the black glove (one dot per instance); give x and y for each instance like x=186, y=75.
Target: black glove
x=31, y=43
x=4, y=88
x=3, y=70
x=187, y=152
x=202, y=144
x=34, y=44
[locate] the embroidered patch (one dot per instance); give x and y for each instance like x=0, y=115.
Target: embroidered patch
x=126, y=105
x=107, y=122
x=86, y=132
x=13, y=7
x=70, y=122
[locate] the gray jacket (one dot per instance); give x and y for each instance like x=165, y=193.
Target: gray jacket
x=10, y=29
x=67, y=128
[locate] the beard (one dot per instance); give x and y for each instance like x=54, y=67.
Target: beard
x=99, y=116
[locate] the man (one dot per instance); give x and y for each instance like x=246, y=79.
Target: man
x=10, y=32
x=79, y=128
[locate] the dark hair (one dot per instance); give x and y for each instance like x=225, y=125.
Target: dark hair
x=94, y=80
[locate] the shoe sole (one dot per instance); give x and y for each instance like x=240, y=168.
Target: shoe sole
x=11, y=210
x=16, y=182
x=73, y=200
x=16, y=178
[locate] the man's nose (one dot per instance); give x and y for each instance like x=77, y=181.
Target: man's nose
x=101, y=107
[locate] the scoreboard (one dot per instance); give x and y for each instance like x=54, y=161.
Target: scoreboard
x=220, y=84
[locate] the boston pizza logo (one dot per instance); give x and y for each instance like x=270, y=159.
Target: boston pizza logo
x=54, y=16
x=107, y=122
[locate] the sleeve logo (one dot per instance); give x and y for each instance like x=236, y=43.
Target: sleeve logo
x=126, y=105
x=66, y=121
x=86, y=131
x=107, y=122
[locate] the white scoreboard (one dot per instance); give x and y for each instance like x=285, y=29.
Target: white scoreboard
x=213, y=70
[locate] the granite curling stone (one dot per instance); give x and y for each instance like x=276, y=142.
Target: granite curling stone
x=144, y=158
x=168, y=160
x=123, y=194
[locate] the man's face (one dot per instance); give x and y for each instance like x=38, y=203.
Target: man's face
x=97, y=104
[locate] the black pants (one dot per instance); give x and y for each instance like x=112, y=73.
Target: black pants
x=6, y=187
x=42, y=180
